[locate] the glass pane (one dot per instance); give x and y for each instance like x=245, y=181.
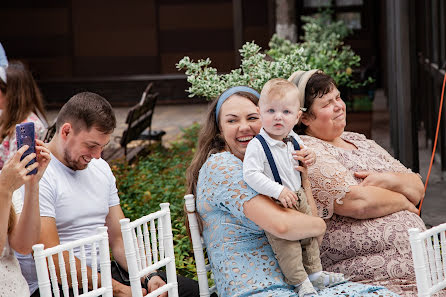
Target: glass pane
x=348, y=2
x=351, y=19
x=317, y=3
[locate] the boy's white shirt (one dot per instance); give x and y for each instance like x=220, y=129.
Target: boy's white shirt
x=257, y=172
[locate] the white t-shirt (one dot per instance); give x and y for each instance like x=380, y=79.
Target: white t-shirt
x=258, y=174
x=79, y=200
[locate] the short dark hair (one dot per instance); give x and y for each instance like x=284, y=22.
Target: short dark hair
x=86, y=110
x=317, y=86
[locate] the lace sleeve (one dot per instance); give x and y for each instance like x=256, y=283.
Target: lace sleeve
x=221, y=184
x=330, y=180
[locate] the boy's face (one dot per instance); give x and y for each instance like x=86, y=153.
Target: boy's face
x=280, y=115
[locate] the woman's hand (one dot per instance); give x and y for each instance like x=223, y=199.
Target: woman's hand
x=306, y=156
x=378, y=179
x=408, y=184
x=304, y=174
x=14, y=173
x=43, y=159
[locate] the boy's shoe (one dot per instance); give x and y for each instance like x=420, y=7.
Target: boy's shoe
x=306, y=289
x=332, y=277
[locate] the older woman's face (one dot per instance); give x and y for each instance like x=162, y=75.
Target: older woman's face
x=329, y=118
x=239, y=123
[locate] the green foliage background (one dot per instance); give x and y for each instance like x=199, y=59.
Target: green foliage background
x=156, y=178
x=322, y=47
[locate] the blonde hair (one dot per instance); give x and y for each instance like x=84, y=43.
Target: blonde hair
x=277, y=89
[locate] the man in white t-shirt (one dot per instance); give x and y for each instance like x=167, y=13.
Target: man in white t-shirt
x=78, y=191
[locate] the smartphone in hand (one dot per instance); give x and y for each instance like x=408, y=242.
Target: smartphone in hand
x=25, y=135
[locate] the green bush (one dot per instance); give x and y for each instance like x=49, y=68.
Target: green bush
x=160, y=177
x=323, y=48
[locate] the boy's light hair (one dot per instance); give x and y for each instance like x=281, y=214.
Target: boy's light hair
x=277, y=89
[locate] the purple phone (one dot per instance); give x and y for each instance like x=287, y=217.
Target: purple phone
x=25, y=135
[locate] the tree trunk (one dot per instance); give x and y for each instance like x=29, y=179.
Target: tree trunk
x=286, y=19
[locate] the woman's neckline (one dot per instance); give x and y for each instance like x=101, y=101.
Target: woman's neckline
x=346, y=145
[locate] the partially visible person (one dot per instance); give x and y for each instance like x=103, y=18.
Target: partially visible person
x=19, y=232
x=78, y=192
x=366, y=197
x=234, y=216
x=270, y=169
x=20, y=101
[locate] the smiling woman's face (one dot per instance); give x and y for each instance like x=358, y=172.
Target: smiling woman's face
x=328, y=118
x=239, y=123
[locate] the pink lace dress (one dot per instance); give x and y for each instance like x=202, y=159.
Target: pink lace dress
x=8, y=147
x=373, y=251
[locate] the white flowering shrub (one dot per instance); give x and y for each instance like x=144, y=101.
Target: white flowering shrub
x=255, y=70
x=322, y=48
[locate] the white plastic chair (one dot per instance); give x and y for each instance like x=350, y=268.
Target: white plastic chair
x=41, y=256
x=197, y=244
x=148, y=244
x=429, y=258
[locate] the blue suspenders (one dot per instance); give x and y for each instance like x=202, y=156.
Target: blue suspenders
x=270, y=158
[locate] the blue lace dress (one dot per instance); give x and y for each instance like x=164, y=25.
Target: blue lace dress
x=241, y=258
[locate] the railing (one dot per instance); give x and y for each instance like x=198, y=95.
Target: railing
x=430, y=77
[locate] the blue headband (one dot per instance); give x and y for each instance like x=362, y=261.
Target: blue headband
x=3, y=63
x=228, y=93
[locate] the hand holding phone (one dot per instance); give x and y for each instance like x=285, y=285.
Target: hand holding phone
x=25, y=135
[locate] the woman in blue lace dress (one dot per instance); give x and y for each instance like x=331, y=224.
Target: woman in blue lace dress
x=234, y=216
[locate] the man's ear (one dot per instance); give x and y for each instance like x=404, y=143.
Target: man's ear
x=66, y=130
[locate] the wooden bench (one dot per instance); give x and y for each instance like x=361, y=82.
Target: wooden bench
x=139, y=127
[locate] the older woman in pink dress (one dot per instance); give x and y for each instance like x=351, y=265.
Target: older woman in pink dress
x=366, y=196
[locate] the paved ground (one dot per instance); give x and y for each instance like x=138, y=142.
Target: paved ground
x=172, y=118
x=434, y=205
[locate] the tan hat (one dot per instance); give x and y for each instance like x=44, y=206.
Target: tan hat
x=300, y=79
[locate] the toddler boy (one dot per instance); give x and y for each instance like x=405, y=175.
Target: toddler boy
x=270, y=169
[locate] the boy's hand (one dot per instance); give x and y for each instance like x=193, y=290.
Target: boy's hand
x=306, y=156
x=288, y=198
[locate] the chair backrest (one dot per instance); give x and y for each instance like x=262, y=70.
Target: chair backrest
x=140, y=116
x=197, y=244
x=429, y=258
x=44, y=262
x=148, y=244
x=50, y=132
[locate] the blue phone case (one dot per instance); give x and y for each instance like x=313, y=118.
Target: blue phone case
x=25, y=135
